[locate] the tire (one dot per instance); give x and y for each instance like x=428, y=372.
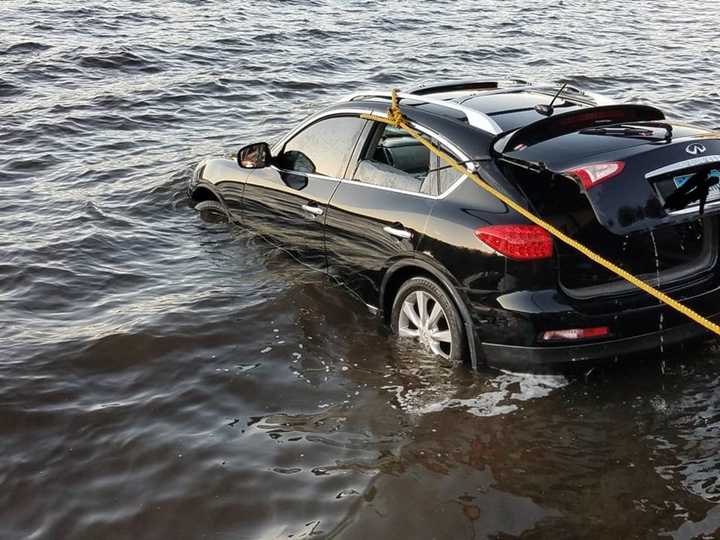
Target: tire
x=212, y=211
x=439, y=329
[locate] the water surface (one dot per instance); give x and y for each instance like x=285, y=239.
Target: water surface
x=164, y=377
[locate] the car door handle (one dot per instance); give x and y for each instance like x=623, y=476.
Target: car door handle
x=400, y=233
x=316, y=210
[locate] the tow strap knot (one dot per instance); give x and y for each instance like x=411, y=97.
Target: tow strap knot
x=395, y=117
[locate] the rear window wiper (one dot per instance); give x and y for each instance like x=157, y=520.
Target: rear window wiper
x=632, y=131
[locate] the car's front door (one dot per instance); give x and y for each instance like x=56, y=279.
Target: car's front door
x=286, y=203
x=378, y=214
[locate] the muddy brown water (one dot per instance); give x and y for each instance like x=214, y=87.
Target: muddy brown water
x=164, y=377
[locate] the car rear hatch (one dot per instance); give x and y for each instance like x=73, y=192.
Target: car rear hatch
x=632, y=192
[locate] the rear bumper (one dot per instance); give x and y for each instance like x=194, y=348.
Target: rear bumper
x=520, y=358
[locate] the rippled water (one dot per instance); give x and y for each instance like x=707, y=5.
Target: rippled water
x=164, y=377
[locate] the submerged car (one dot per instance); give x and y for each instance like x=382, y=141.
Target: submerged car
x=447, y=264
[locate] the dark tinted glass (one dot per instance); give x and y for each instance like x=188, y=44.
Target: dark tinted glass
x=514, y=110
x=324, y=147
x=517, y=119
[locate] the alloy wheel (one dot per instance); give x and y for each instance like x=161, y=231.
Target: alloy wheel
x=422, y=317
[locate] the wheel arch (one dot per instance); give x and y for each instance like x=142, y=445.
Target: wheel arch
x=208, y=192
x=401, y=271
x=204, y=192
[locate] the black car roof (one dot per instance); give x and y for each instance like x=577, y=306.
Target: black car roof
x=451, y=124
x=513, y=110
x=510, y=109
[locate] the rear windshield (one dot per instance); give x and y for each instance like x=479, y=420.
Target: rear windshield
x=516, y=119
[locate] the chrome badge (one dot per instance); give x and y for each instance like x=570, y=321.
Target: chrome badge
x=695, y=149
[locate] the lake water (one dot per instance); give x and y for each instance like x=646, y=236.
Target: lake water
x=165, y=377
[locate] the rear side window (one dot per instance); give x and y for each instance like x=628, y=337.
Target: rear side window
x=441, y=176
x=323, y=147
x=394, y=159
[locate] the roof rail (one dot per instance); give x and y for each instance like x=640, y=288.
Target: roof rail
x=474, y=117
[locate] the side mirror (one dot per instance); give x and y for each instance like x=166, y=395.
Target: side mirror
x=254, y=156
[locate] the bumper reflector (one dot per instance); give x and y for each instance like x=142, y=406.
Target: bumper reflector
x=575, y=333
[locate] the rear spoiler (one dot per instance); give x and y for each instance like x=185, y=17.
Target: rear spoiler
x=562, y=124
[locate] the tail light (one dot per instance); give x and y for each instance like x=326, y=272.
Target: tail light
x=596, y=173
x=575, y=333
x=519, y=242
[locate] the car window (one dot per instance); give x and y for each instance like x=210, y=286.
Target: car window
x=324, y=147
x=441, y=176
x=396, y=160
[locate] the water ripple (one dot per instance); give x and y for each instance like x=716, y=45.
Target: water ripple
x=164, y=377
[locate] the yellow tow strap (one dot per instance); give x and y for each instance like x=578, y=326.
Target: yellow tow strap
x=397, y=119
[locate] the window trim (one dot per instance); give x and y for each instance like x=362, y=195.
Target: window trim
x=432, y=134
x=308, y=123
x=357, y=112
x=366, y=150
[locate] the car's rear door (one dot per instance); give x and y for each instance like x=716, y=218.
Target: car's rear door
x=286, y=202
x=378, y=214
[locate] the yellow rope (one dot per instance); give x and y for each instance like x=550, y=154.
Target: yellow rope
x=397, y=119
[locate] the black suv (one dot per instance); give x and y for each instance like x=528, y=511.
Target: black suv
x=446, y=263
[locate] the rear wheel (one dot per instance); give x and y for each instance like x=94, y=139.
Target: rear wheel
x=425, y=312
x=212, y=211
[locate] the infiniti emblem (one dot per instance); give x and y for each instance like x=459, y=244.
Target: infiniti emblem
x=695, y=149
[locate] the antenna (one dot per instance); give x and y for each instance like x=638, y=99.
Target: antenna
x=548, y=110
